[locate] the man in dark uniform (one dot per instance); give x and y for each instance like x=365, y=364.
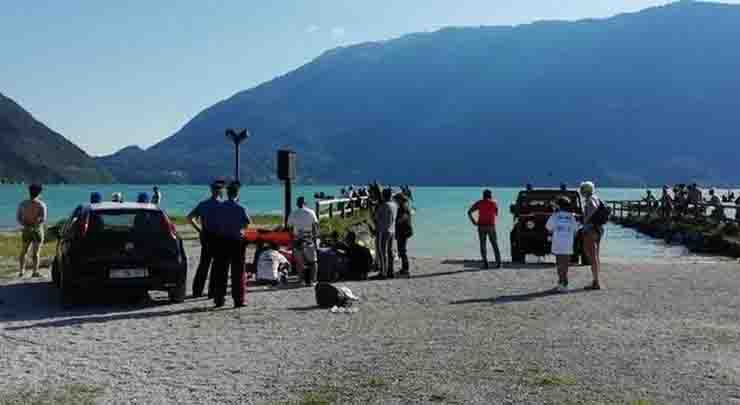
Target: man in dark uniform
x=203, y=218
x=233, y=221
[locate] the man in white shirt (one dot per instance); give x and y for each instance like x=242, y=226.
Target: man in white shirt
x=305, y=227
x=563, y=227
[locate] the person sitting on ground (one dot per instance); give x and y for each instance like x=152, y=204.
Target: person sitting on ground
x=360, y=258
x=272, y=267
x=563, y=227
x=31, y=216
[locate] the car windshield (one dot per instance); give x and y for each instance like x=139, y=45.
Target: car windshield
x=140, y=221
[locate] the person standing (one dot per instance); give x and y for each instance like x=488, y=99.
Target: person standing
x=229, y=255
x=592, y=233
x=563, y=226
x=666, y=203
x=404, y=231
x=156, y=196
x=487, y=210
x=305, y=227
x=737, y=209
x=385, y=228
x=204, y=219
x=31, y=216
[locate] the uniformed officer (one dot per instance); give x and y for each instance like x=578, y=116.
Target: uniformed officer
x=233, y=222
x=204, y=220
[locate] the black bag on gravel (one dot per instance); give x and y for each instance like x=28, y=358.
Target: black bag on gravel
x=328, y=296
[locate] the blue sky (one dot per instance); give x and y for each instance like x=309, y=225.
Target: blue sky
x=110, y=74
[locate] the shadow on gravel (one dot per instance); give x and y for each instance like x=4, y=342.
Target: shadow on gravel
x=82, y=320
x=39, y=301
x=304, y=309
x=507, y=299
x=476, y=265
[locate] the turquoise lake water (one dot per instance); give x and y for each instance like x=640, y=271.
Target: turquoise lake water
x=441, y=225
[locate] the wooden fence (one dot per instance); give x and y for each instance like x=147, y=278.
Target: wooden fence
x=625, y=208
x=342, y=207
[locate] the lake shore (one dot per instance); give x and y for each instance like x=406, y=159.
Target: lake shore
x=658, y=333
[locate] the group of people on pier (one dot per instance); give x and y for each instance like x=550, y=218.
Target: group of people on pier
x=688, y=200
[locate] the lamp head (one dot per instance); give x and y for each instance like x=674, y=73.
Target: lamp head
x=237, y=136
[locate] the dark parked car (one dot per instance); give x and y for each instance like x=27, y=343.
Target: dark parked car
x=119, y=245
x=531, y=211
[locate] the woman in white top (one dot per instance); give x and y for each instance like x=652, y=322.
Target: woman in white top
x=591, y=233
x=563, y=227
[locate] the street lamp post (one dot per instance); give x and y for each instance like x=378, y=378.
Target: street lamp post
x=237, y=137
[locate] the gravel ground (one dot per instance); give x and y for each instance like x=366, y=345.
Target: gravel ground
x=660, y=333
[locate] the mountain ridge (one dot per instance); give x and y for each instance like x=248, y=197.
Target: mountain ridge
x=466, y=105
x=32, y=152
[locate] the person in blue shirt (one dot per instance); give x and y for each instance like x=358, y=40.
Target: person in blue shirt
x=204, y=219
x=233, y=222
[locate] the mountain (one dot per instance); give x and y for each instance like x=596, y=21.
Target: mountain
x=646, y=97
x=31, y=152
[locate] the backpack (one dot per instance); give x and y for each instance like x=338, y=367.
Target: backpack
x=602, y=215
x=328, y=296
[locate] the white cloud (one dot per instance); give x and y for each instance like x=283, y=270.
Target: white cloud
x=338, y=32
x=312, y=28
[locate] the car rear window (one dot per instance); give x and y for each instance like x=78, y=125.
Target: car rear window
x=140, y=221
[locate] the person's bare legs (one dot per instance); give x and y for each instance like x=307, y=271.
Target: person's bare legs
x=25, y=245
x=592, y=251
x=36, y=258
x=562, y=261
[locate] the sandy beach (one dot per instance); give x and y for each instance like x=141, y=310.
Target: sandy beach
x=452, y=334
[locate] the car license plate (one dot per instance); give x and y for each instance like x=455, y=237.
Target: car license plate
x=129, y=273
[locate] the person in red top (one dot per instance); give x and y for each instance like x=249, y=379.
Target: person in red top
x=487, y=210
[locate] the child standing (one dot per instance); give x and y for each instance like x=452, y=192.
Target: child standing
x=563, y=227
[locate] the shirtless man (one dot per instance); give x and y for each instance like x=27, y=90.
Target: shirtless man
x=31, y=216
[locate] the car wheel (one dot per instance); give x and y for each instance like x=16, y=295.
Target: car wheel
x=177, y=294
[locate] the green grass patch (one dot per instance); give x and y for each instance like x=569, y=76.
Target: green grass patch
x=323, y=396
x=257, y=220
x=341, y=225
x=70, y=394
x=376, y=382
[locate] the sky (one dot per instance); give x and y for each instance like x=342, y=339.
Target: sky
x=110, y=74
